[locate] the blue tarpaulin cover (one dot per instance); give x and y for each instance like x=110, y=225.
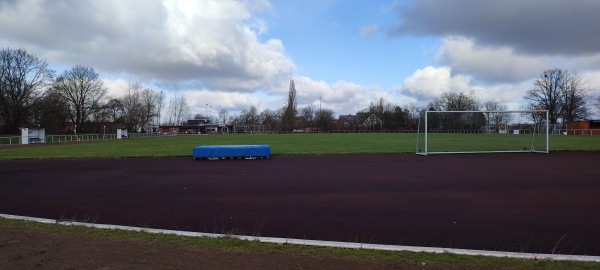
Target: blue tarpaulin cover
x=232, y=151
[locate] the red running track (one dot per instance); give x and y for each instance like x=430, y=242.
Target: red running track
x=508, y=202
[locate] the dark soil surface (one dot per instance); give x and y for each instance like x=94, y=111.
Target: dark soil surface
x=509, y=202
x=38, y=249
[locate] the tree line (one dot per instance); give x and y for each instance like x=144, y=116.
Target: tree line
x=31, y=94
x=565, y=95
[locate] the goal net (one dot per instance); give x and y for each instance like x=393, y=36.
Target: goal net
x=454, y=132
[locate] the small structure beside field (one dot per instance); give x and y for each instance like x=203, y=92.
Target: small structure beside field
x=583, y=127
x=33, y=135
x=195, y=126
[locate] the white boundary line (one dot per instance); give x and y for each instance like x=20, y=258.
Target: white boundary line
x=350, y=245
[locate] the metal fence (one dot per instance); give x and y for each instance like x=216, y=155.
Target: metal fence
x=581, y=132
x=140, y=135
x=71, y=138
x=16, y=140
x=10, y=140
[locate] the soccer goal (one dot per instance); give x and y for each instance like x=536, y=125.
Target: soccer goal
x=457, y=132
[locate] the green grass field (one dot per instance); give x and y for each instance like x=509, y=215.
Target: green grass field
x=287, y=144
x=444, y=142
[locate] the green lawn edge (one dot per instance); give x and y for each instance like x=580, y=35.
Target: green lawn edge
x=280, y=144
x=235, y=245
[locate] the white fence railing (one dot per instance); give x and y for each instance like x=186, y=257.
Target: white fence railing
x=10, y=140
x=16, y=140
x=71, y=138
x=575, y=132
x=141, y=135
x=582, y=132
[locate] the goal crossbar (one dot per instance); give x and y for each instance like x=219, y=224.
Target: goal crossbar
x=424, y=150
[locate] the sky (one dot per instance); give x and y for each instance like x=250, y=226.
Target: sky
x=341, y=54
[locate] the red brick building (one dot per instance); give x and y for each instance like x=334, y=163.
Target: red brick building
x=583, y=127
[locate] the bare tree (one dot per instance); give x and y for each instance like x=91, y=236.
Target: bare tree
x=382, y=115
x=223, y=116
x=325, y=119
x=496, y=118
x=83, y=91
x=132, y=106
x=455, y=102
x=114, y=110
x=597, y=104
x=178, y=111
x=141, y=107
x=50, y=111
x=199, y=116
x=23, y=76
x=250, y=118
x=415, y=113
x=289, y=114
x=494, y=106
x=575, y=95
x=546, y=94
x=307, y=115
x=150, y=106
x=160, y=102
x=269, y=119
x=562, y=94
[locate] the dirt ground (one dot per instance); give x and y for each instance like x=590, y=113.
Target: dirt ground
x=34, y=249
x=27, y=249
x=37, y=250
x=511, y=202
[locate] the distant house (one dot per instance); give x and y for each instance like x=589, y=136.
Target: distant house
x=373, y=122
x=195, y=126
x=347, y=121
x=583, y=127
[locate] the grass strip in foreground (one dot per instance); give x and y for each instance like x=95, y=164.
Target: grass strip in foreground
x=231, y=245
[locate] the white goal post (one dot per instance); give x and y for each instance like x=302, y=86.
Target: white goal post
x=458, y=132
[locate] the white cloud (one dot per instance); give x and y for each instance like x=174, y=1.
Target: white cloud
x=431, y=82
x=497, y=48
x=197, y=99
x=579, y=64
x=505, y=74
x=219, y=100
x=342, y=97
x=593, y=80
x=207, y=43
x=508, y=94
x=488, y=64
x=115, y=87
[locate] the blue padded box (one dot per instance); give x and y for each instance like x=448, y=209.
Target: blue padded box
x=231, y=151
